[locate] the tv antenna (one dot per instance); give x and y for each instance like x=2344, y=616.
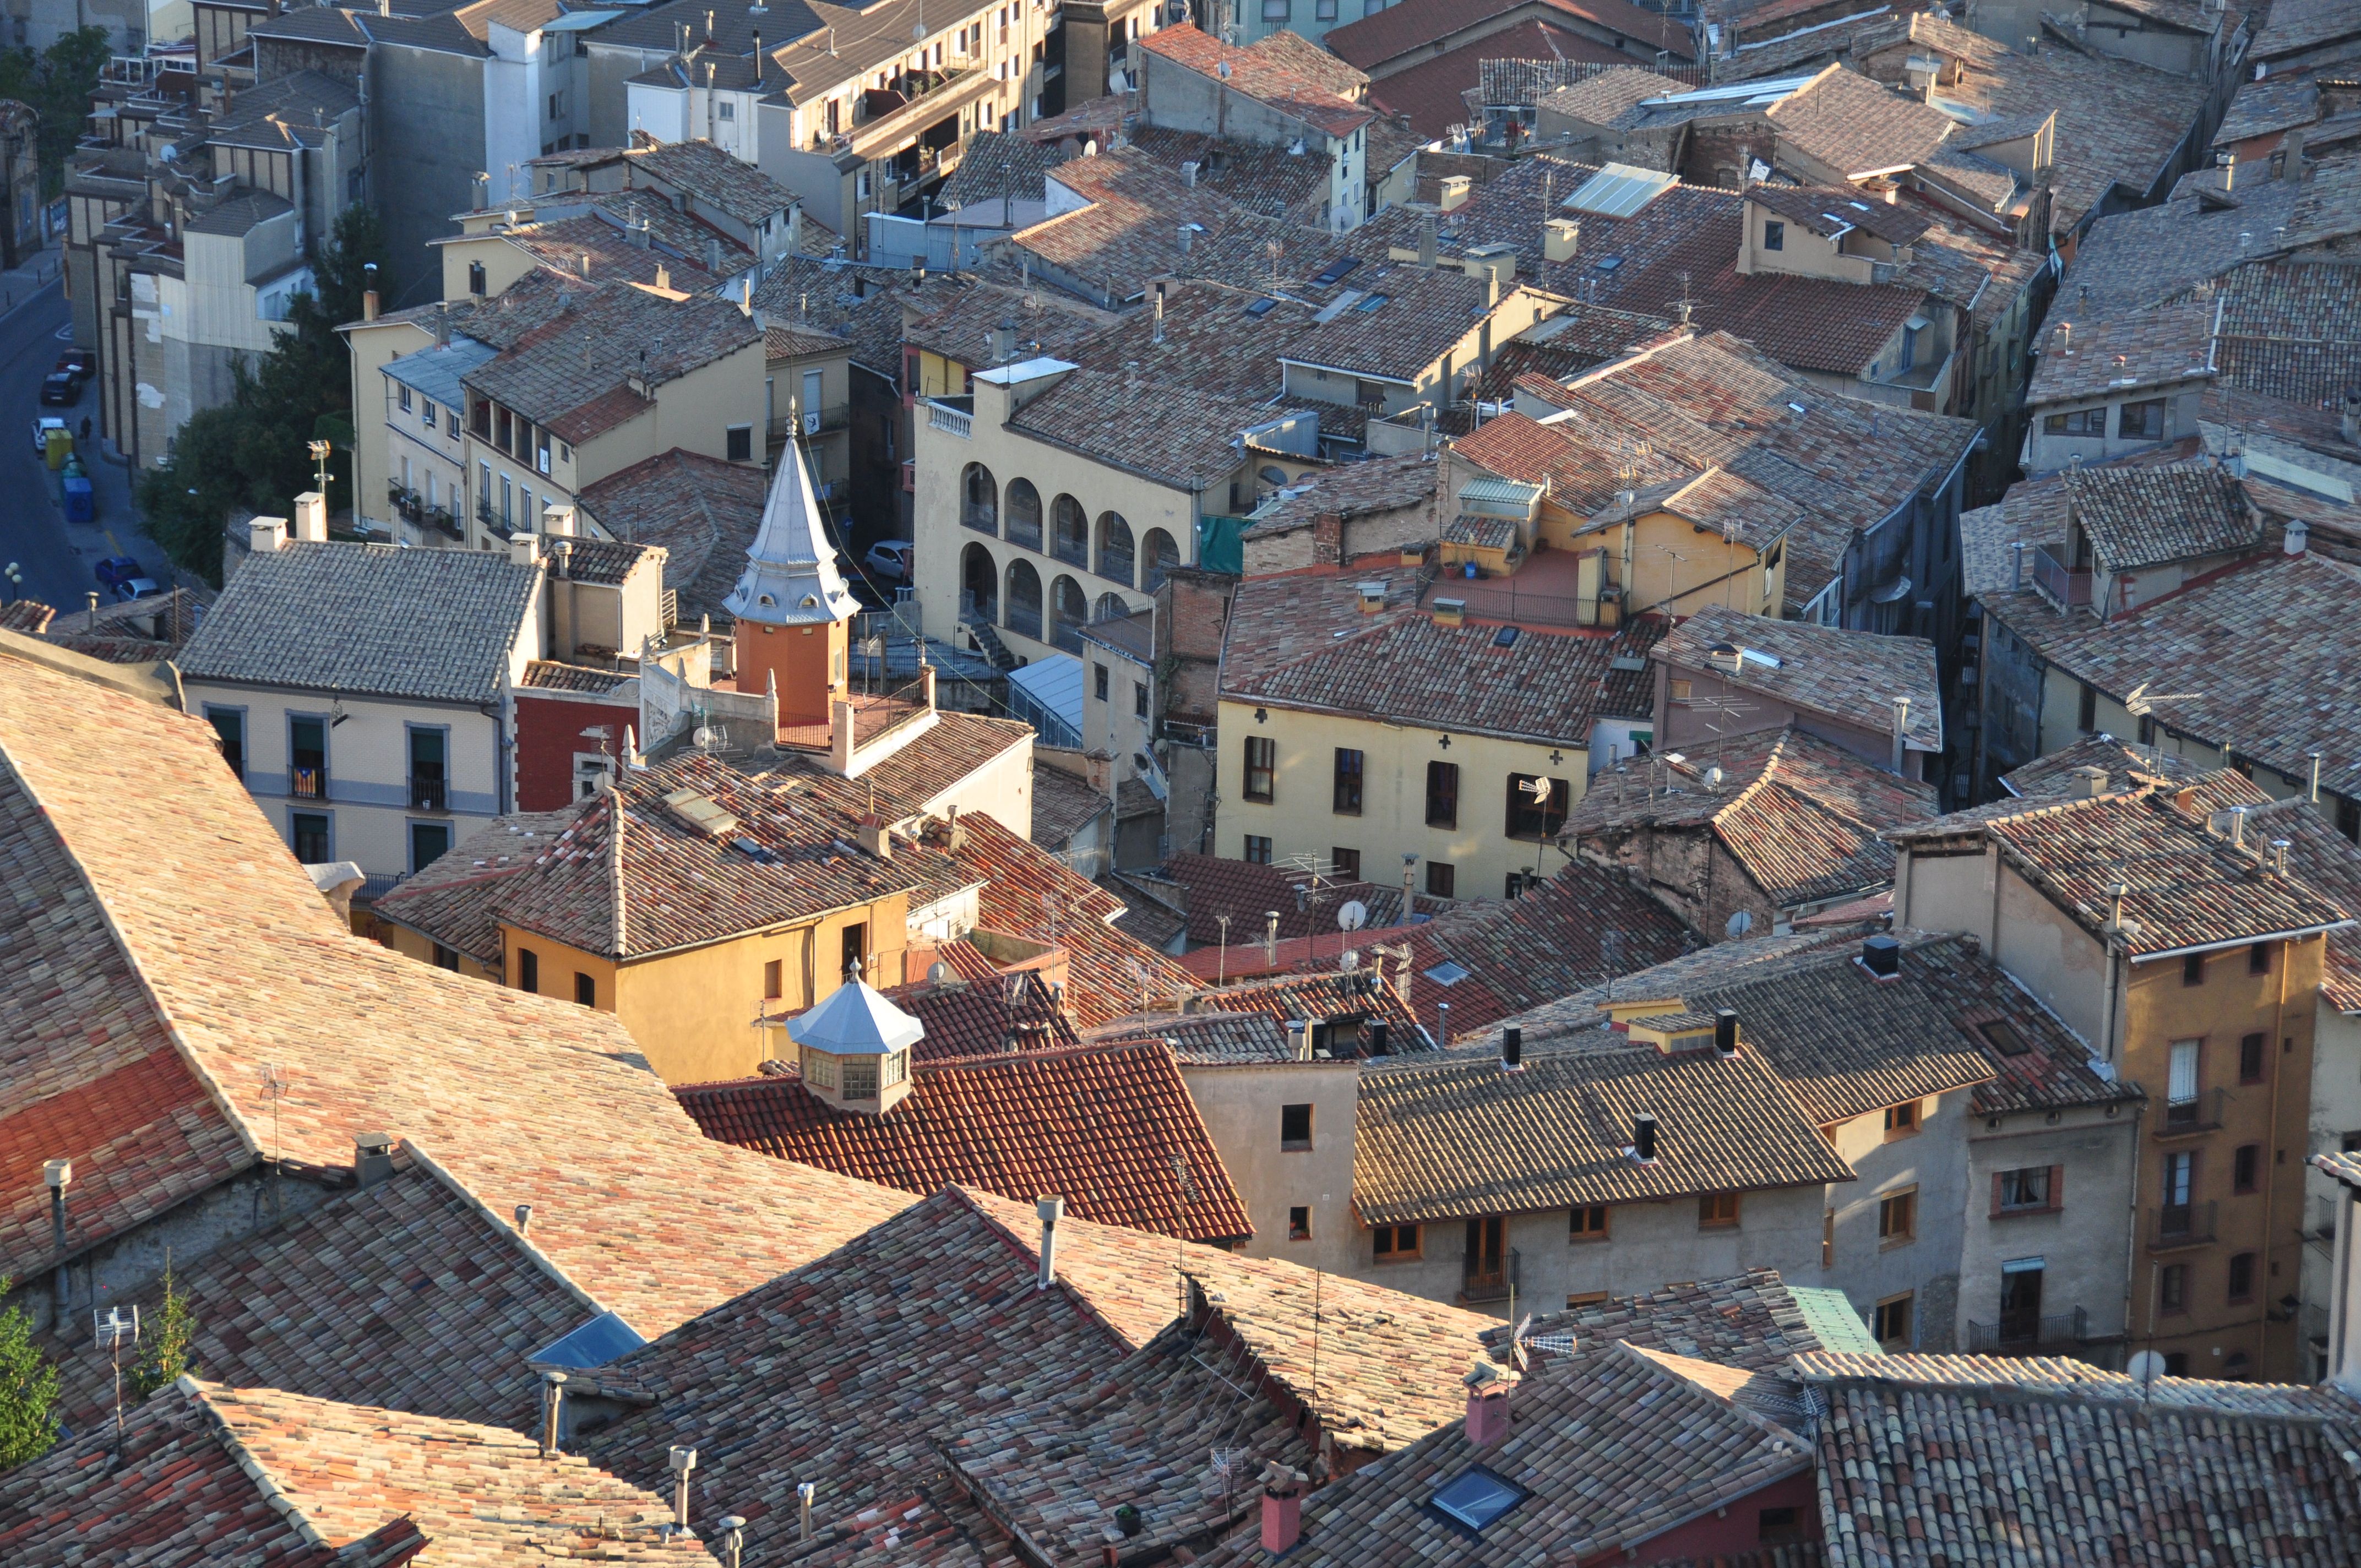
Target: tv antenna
x=114, y=1328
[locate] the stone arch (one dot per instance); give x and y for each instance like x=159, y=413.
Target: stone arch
x=1069, y=611
x=979, y=498
x=1024, y=600
x=1160, y=554
x=1024, y=516
x=1117, y=555
x=1070, y=533
x=979, y=586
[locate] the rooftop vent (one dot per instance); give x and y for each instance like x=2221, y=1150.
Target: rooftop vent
x=1283, y=1507
x=1643, y=1137
x=1725, y=657
x=1373, y=596
x=1487, y=1404
x=1051, y=1209
x=1450, y=612
x=1725, y=1033
x=372, y=1158
x=700, y=813
x=1881, y=956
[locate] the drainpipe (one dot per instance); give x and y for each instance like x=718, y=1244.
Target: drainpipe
x=2270, y=1187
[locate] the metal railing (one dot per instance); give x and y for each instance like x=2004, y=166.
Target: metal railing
x=308, y=784
x=429, y=792
x=2060, y=582
x=2201, y=1115
x=982, y=516
x=2030, y=1335
x=2181, y=1225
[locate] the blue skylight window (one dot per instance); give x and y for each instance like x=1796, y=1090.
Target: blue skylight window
x=1337, y=269
x=1261, y=308
x=1475, y=1497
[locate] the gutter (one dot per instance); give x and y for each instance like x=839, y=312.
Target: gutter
x=2295, y=934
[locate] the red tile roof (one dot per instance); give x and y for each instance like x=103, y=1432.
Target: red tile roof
x=1246, y=893
x=1416, y=24
x=1108, y=1127
x=978, y=1011
x=1270, y=74
x=1430, y=93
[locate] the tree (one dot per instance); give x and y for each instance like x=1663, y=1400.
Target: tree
x=58, y=84
x=255, y=450
x=29, y=1389
x=164, y=1348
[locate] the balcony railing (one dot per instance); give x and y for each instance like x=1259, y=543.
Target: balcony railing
x=954, y=421
x=2027, y=1335
x=428, y=792
x=2201, y=1115
x=2181, y=1225
x=2060, y=582
x=982, y=516
x=811, y=421
x=308, y=784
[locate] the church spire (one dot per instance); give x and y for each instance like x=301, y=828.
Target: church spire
x=791, y=577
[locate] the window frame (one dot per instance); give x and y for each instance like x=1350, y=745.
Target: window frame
x=1348, y=782
x=1903, y=1121
x=1443, y=802
x=1347, y=863
x=1299, y=1223
x=1586, y=1224
x=1258, y=850
x=2254, y=1056
x=1294, y=1145
x=2151, y=423
x=528, y=971
x=1551, y=815
x=2247, y=1168
x=2231, y=1293
x=413, y=826
x=1775, y=234
x=1385, y=1244
x=1445, y=874
x=586, y=983
x=1266, y=748
x=1897, y=1218
x=214, y=713
x=1903, y=1305
x=1710, y=1210
x=2051, y=1201
x=2173, y=1290
x=328, y=831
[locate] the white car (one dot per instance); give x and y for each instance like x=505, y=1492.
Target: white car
x=42, y=428
x=889, y=559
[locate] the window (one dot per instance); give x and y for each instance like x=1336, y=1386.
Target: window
x=1481, y=1268
x=2003, y=1037
x=429, y=842
x=2180, y=1089
x=557, y=107
x=1897, y=1218
x=1775, y=234
x=1778, y=1527
x=727, y=109
x=1828, y=1238
x=860, y=1078
x=1442, y=795
x=2193, y=969
x=1295, y=1126
x=1900, y=1121
x=2245, y=1166
x=2348, y=818
x=1347, y=789
x=476, y=278
x=1440, y=876
x=2178, y=1193
x=2242, y=1277
x=2086, y=717
x=307, y=758
x=1588, y=1223
x=741, y=438
x=1575, y=1300
x=2172, y=1288
x=1680, y=691
x=1099, y=684
x=1139, y=699
x=1476, y=1497
x=2259, y=959
x=2029, y=1187
x=2176, y=1364
x=1347, y=863
x=1891, y=1322
x=2141, y=421
x=1258, y=850
x=2082, y=421
x=541, y=450
x=1718, y=1212
x=1299, y=1223
x=1395, y=1243
x=1537, y=806
x=2250, y=1059
x=405, y=398
x=775, y=980
x=426, y=418
x=313, y=836
x=586, y=989
x=1274, y=10
x=1262, y=767
x=852, y=951
x=444, y=957
x=528, y=970
x=229, y=730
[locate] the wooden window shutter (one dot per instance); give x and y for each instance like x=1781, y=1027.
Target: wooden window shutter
x=1996, y=1181
x=2057, y=1187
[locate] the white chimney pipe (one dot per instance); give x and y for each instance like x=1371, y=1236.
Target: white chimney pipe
x=264, y=535
x=1901, y=731
x=683, y=1460
x=1052, y=1208
x=525, y=549
x=552, y=1400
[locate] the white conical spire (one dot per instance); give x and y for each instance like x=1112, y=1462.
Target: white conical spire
x=791, y=577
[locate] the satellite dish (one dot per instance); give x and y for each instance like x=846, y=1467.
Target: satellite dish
x=1351, y=960
x=1739, y=923
x=2146, y=1367
x=938, y=972
x=1352, y=916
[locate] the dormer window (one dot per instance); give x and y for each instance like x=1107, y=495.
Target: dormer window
x=1775, y=234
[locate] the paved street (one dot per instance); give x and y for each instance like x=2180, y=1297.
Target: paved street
x=55, y=559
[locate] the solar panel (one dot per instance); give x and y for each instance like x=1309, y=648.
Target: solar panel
x=1335, y=269
x=1617, y=191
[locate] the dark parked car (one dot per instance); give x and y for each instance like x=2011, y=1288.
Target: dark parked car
x=117, y=570
x=60, y=389
x=78, y=363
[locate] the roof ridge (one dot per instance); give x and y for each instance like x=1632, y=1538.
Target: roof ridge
x=278, y=1496
x=509, y=1232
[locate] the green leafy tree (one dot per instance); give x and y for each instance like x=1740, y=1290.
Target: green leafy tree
x=29, y=1389
x=164, y=1346
x=58, y=84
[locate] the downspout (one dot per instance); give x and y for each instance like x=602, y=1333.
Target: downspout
x=2131, y=1241
x=2270, y=1190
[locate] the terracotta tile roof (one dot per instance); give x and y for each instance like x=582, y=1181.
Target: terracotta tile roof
x=1063, y=806
x=2267, y=634
x=1210, y=342
x=1261, y=177
x=958, y=320
x=2291, y=329
x=1433, y=92
x=1301, y=640
x=1408, y=317
x=2215, y=1479
x=1580, y=337
x=1800, y=815
x=1146, y=917
x=1130, y=230
x=521, y=1099
x=209, y=1474
x=1398, y=29
x=1175, y=435
x=2328, y=861
x=369, y=619
x=2154, y=348
x=1001, y=166
x=703, y=512
x=1746, y=1321
x=1448, y=1140
x=1108, y=1127
x=2144, y=516
x=569, y=374
x=2126, y=764
x=1606, y=98
x=953, y=748
x=731, y=184
x=1613, y=1446
x=2133, y=260
x=547, y=675
x=1831, y=213
x=2187, y=887
x=455, y=899
x=978, y=1011
x=592, y=248
x=1213, y=887
x=1849, y=676
x=1581, y=1011
x=1279, y=77
x=1345, y=1002
x=2294, y=25
x=1858, y=127
x=1206, y=1038
x=411, y=1297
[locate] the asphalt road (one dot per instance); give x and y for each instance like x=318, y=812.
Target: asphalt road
x=55, y=559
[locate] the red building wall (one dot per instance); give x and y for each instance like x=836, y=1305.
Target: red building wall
x=549, y=732
x=1741, y=1529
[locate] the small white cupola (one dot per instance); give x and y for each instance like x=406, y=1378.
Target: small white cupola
x=853, y=1049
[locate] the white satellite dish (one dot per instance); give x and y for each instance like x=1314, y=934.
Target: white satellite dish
x=1352, y=916
x=1739, y=924
x=2146, y=1367
x=938, y=972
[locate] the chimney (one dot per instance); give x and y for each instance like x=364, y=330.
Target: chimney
x=265, y=535
x=1512, y=1049
x=803, y=1491
x=682, y=1460
x=1373, y=596
x=2291, y=155
x=368, y=305
x=2090, y=782
x=525, y=549
x=874, y=837
x=1004, y=342
x=1451, y=192
x=1560, y=239
x=1189, y=173
x=1052, y=1208
x=1881, y=956
x=441, y=324
x=2279, y=848
x=2349, y=423
x=1158, y=334
x=1487, y=1404
x=1450, y=611
x=713, y=255
x=583, y=263
x=663, y=276
x=1283, y=1507
x=1188, y=237
x=1270, y=937
x=1429, y=227
x=1725, y=1034
x=56, y=1175
x=558, y=520
x=1643, y=1136
x=1299, y=1038
x=483, y=189
x=2298, y=535
x=523, y=1218
x=733, y=1540
x=2237, y=828
x=311, y=518
x=1901, y=731
x=553, y=1402
x=372, y=1158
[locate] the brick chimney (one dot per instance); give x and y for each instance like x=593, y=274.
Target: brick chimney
x=1283, y=1507
x=1487, y=1404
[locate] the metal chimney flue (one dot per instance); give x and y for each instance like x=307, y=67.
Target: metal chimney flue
x=1643, y=1137
x=553, y=1404
x=372, y=1158
x=803, y=1491
x=1512, y=1049
x=1051, y=1209
x=682, y=1459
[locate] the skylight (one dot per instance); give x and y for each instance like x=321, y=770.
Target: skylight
x=1261, y=308
x=1446, y=973
x=1374, y=303
x=1335, y=269
x=1619, y=189
x=1475, y=1497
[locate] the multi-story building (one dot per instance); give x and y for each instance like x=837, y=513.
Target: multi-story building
x=1276, y=91
x=2190, y=953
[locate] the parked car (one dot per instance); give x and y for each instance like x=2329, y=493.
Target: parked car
x=60, y=389
x=78, y=363
x=42, y=428
x=136, y=589
x=117, y=570
x=889, y=559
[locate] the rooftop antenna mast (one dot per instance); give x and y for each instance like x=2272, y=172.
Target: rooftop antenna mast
x=1185, y=1180
x=114, y=1328
x=274, y=1084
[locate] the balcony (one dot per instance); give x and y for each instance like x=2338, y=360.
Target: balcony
x=2024, y=1334
x=2066, y=586
x=428, y=792
x=2203, y=1113
x=2173, y=1227
x=308, y=783
x=941, y=414
x=812, y=422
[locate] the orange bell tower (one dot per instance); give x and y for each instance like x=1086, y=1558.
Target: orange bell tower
x=791, y=604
